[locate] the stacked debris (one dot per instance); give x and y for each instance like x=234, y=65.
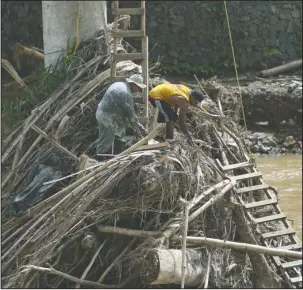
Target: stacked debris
x=71, y=221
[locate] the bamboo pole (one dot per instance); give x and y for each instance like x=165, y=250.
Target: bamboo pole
x=177, y=224
x=207, y=271
x=66, y=276
x=38, y=112
x=10, y=69
x=91, y=263
x=22, y=50
x=127, y=232
x=71, y=189
x=54, y=142
x=241, y=247
x=212, y=200
x=186, y=210
x=207, y=192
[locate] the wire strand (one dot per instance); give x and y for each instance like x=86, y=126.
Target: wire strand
x=78, y=23
x=235, y=65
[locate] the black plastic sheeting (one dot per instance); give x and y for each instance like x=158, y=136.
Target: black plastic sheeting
x=50, y=168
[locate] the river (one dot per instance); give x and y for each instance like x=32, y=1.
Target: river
x=285, y=172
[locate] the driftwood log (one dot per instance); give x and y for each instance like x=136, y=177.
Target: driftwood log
x=281, y=69
x=164, y=266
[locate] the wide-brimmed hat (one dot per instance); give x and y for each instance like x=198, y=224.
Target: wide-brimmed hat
x=137, y=80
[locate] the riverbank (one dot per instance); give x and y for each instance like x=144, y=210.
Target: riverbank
x=273, y=109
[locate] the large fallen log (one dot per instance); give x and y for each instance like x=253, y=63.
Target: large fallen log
x=281, y=69
x=162, y=266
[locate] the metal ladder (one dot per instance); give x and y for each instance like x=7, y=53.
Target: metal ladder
x=143, y=55
x=291, y=270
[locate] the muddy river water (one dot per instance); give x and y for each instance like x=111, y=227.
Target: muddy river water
x=285, y=172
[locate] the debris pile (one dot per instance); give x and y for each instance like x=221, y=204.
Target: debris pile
x=117, y=223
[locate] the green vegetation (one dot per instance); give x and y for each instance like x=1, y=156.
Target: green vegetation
x=20, y=106
x=271, y=52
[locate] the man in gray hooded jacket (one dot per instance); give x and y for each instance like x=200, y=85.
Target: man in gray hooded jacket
x=115, y=111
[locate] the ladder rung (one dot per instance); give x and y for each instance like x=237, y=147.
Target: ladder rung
x=292, y=247
x=118, y=79
x=296, y=279
x=292, y=264
x=278, y=233
x=252, y=188
x=237, y=165
x=128, y=33
x=246, y=176
x=127, y=56
x=269, y=218
x=128, y=11
x=260, y=203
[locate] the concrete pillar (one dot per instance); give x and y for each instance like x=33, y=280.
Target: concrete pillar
x=60, y=24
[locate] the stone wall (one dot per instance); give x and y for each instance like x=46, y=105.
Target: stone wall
x=191, y=36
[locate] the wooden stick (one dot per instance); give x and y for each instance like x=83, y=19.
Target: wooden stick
x=116, y=260
x=207, y=192
x=177, y=224
x=88, y=168
x=186, y=210
x=53, y=271
x=235, y=138
x=127, y=232
x=31, y=52
x=54, y=142
x=10, y=69
x=70, y=190
x=38, y=112
x=227, y=188
x=241, y=247
x=21, y=142
x=155, y=118
x=144, y=147
x=207, y=271
x=83, y=162
x=201, y=87
x=61, y=126
x=91, y=263
x=10, y=137
x=224, y=145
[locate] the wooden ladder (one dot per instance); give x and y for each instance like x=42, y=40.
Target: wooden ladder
x=291, y=270
x=142, y=56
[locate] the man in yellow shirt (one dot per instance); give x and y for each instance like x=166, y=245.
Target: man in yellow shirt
x=173, y=100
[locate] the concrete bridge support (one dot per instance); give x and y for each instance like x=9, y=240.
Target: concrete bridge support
x=60, y=24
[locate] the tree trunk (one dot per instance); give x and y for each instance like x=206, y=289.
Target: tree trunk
x=281, y=69
x=60, y=25
x=163, y=266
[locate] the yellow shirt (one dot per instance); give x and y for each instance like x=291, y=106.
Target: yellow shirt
x=165, y=92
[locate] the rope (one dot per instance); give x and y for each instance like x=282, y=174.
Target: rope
x=235, y=65
x=252, y=156
x=78, y=23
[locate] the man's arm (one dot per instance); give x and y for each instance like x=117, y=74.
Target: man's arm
x=130, y=114
x=182, y=104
